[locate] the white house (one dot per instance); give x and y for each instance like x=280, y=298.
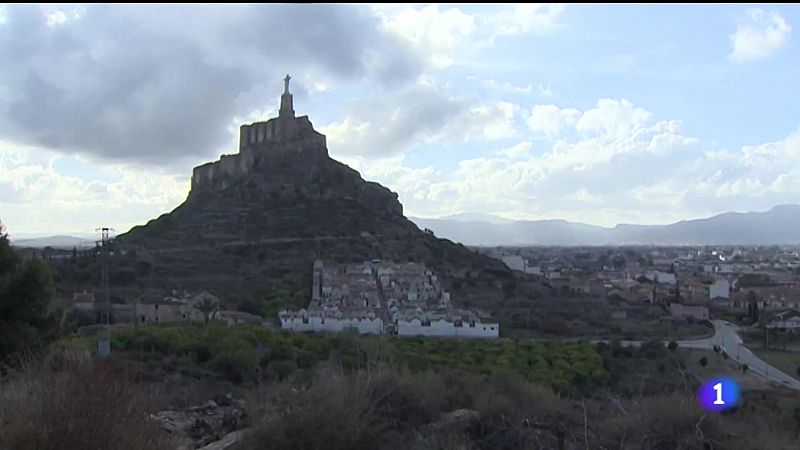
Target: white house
x=681, y=311
x=535, y=270
x=514, y=262
x=661, y=277
x=725, y=268
x=788, y=320
x=442, y=327
x=331, y=322
x=720, y=289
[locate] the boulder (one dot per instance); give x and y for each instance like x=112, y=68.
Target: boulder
x=202, y=425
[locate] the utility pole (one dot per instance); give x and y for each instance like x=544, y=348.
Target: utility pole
x=104, y=336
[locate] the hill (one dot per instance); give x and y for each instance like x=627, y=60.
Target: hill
x=773, y=227
x=254, y=221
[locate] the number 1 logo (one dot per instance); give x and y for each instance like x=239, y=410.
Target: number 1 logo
x=718, y=389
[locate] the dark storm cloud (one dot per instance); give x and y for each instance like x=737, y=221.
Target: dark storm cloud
x=156, y=84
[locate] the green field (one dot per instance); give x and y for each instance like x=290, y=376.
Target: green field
x=786, y=361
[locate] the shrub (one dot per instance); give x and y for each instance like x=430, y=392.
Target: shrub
x=672, y=346
x=335, y=413
x=80, y=405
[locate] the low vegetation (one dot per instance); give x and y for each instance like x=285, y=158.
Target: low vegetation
x=68, y=402
x=251, y=353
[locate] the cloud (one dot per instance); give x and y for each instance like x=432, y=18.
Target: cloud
x=758, y=35
x=37, y=197
x=520, y=150
x=446, y=35
x=522, y=19
x=435, y=32
x=620, y=166
x=550, y=119
x=158, y=84
x=610, y=117
x=420, y=114
x=545, y=91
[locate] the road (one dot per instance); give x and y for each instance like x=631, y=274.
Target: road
x=726, y=337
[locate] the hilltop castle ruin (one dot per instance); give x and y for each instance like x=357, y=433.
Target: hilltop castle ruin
x=279, y=134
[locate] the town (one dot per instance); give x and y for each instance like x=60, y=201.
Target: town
x=696, y=282
x=384, y=298
x=758, y=287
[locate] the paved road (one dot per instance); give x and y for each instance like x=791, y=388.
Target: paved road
x=725, y=336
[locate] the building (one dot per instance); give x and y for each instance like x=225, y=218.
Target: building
x=720, y=289
x=173, y=309
x=785, y=321
x=382, y=297
x=254, y=139
x=83, y=297
x=659, y=277
x=695, y=312
x=441, y=327
x=237, y=317
x=514, y=262
x=165, y=312
x=331, y=321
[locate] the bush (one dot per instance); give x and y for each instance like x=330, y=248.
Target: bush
x=335, y=413
x=26, y=288
x=653, y=349
x=672, y=346
x=78, y=405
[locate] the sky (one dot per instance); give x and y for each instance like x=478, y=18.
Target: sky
x=603, y=114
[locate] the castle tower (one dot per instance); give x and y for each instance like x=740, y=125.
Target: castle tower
x=287, y=108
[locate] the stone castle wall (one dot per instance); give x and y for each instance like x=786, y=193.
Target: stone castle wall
x=288, y=132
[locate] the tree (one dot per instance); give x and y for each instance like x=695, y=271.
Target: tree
x=672, y=346
x=752, y=305
x=208, y=307
x=26, y=288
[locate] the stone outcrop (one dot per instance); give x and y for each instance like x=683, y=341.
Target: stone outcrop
x=281, y=177
x=255, y=221
x=209, y=425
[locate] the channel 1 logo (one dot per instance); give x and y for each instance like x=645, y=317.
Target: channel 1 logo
x=718, y=394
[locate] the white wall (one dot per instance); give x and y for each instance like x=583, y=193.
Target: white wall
x=443, y=328
x=364, y=326
x=661, y=277
x=790, y=324
x=720, y=289
x=514, y=262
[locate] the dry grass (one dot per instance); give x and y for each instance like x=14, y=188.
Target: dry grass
x=67, y=401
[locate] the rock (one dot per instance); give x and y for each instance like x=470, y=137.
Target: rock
x=457, y=418
x=243, y=210
x=202, y=425
x=227, y=441
x=224, y=400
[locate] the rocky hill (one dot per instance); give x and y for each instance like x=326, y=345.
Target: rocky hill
x=254, y=221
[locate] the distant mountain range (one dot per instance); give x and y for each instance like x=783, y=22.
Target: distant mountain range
x=780, y=225
x=60, y=242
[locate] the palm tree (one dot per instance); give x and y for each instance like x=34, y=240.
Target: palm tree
x=208, y=307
